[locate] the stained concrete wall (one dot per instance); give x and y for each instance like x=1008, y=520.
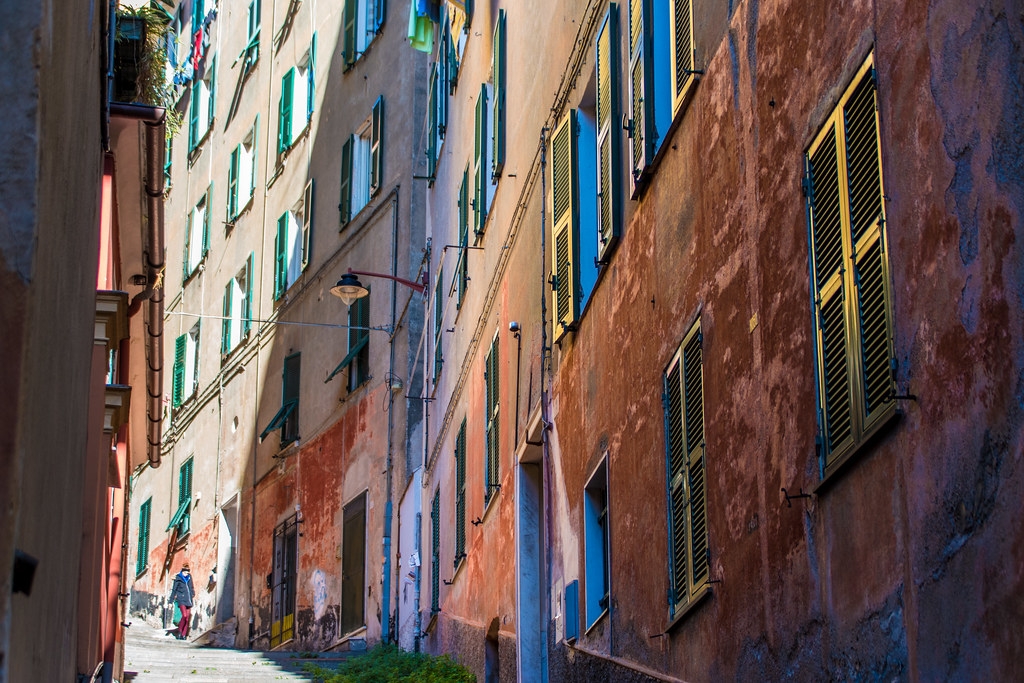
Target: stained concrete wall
x=873, y=575
x=49, y=218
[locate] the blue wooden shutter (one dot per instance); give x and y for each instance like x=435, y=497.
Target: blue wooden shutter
x=565, y=213
x=345, y=204
x=377, y=147
x=609, y=147
x=572, y=610
x=178, y=377
x=379, y=12
x=498, y=66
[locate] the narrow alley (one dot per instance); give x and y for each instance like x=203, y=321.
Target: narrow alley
x=154, y=656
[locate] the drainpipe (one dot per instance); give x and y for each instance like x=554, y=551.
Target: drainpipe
x=154, y=119
x=385, y=608
x=110, y=36
x=545, y=394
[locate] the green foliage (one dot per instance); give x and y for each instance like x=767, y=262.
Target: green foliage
x=151, y=86
x=389, y=664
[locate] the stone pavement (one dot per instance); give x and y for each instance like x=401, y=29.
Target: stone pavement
x=154, y=656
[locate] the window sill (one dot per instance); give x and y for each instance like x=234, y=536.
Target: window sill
x=195, y=152
x=491, y=503
x=698, y=599
x=241, y=212
x=604, y=613
x=665, y=144
x=851, y=454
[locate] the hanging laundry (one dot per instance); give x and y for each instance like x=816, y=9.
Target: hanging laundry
x=421, y=30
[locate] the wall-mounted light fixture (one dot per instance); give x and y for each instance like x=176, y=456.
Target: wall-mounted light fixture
x=349, y=288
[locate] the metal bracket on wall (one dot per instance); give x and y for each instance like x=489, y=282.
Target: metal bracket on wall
x=791, y=496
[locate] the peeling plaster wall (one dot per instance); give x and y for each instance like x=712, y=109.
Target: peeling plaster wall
x=908, y=565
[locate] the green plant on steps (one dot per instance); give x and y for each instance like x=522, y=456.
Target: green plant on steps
x=389, y=664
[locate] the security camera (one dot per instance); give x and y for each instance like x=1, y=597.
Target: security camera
x=513, y=326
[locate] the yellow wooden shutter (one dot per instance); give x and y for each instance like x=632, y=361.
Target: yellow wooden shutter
x=565, y=215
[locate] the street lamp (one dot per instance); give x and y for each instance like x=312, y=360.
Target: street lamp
x=349, y=288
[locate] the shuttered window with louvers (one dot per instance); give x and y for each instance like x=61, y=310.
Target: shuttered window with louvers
x=565, y=210
x=852, y=294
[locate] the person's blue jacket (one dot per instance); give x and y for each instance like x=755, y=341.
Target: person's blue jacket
x=182, y=591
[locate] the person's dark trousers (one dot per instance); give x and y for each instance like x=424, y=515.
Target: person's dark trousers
x=186, y=613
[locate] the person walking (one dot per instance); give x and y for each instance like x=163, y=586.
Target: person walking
x=182, y=593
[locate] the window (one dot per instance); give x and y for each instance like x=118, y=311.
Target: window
x=438, y=323
x=292, y=245
x=435, y=553
x=287, y=418
x=661, y=76
x=850, y=274
x=295, y=107
x=142, y=548
x=498, y=60
x=186, y=367
x=252, y=47
x=197, y=234
x=437, y=110
x=168, y=149
x=454, y=33
x=362, y=22
x=595, y=518
x=460, y=496
x=687, y=511
x=201, y=108
x=181, y=521
x=242, y=174
x=362, y=164
x=492, y=460
x=237, y=317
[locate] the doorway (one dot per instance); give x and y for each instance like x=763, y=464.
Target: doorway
x=531, y=629
x=286, y=560
x=353, y=565
x=227, y=549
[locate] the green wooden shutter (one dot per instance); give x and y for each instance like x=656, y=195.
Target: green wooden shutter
x=693, y=405
x=311, y=79
x=460, y=495
x=307, y=222
x=435, y=553
x=432, y=125
x=247, y=309
x=609, y=148
x=207, y=219
x=193, y=116
x=281, y=256
x=225, y=324
x=498, y=66
x=453, y=62
x=681, y=51
x=178, y=380
x=185, y=495
x=213, y=94
x=345, y=203
x=284, y=112
x=463, y=267
x=641, y=89
x=492, y=465
x=185, y=271
x=236, y=154
x=255, y=155
x=438, y=323
x=379, y=12
x=377, y=147
x=349, y=23
x=479, y=163
x=290, y=389
x=142, y=549
x=565, y=212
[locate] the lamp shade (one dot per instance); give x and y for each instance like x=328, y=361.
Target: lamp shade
x=349, y=289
